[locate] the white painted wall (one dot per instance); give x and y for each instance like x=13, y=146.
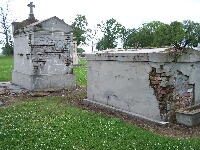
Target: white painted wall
x=121, y=79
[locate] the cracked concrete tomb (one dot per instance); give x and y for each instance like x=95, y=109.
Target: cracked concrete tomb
x=43, y=54
x=150, y=82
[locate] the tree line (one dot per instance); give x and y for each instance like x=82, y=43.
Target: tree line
x=152, y=34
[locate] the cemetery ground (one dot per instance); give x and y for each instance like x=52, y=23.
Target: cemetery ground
x=60, y=120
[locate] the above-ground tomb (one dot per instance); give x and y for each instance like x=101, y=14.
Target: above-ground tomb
x=43, y=54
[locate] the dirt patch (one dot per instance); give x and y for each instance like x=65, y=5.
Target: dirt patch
x=76, y=96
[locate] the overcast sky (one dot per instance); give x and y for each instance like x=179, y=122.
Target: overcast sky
x=130, y=13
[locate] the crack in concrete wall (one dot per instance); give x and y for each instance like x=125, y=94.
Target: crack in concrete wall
x=171, y=95
x=183, y=91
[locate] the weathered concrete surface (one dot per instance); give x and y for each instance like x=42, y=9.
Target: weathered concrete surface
x=11, y=87
x=189, y=117
x=35, y=82
x=7, y=89
x=150, y=84
x=1, y=104
x=162, y=123
x=1, y=89
x=43, y=55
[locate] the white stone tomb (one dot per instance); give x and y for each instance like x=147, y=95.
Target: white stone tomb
x=149, y=82
x=43, y=55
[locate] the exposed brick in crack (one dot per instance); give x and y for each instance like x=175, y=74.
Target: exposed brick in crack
x=171, y=96
x=164, y=94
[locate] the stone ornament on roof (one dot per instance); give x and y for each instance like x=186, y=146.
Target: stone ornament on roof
x=31, y=15
x=31, y=7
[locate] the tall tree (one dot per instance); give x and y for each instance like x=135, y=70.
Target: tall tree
x=5, y=29
x=161, y=35
x=130, y=39
x=192, y=33
x=146, y=34
x=111, y=32
x=81, y=29
x=176, y=33
x=125, y=35
x=155, y=33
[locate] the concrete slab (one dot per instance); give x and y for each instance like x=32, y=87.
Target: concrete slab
x=11, y=87
x=189, y=117
x=1, y=104
x=154, y=50
x=4, y=84
x=1, y=89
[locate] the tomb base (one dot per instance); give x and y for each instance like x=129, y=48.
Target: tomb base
x=43, y=81
x=189, y=117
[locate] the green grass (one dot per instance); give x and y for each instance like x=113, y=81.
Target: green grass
x=49, y=123
x=81, y=72
x=6, y=67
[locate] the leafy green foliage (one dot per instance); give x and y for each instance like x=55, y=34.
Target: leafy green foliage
x=112, y=31
x=7, y=50
x=49, y=123
x=81, y=30
x=6, y=67
x=80, y=50
x=130, y=39
x=176, y=33
x=152, y=34
x=162, y=35
x=192, y=32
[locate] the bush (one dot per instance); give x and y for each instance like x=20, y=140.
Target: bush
x=7, y=50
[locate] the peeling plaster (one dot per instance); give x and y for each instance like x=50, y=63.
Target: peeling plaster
x=171, y=95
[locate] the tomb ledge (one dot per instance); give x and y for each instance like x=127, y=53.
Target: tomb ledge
x=145, y=55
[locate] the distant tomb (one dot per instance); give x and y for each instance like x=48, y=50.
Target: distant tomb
x=43, y=54
x=75, y=55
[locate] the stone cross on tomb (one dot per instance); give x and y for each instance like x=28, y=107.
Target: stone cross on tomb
x=31, y=7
